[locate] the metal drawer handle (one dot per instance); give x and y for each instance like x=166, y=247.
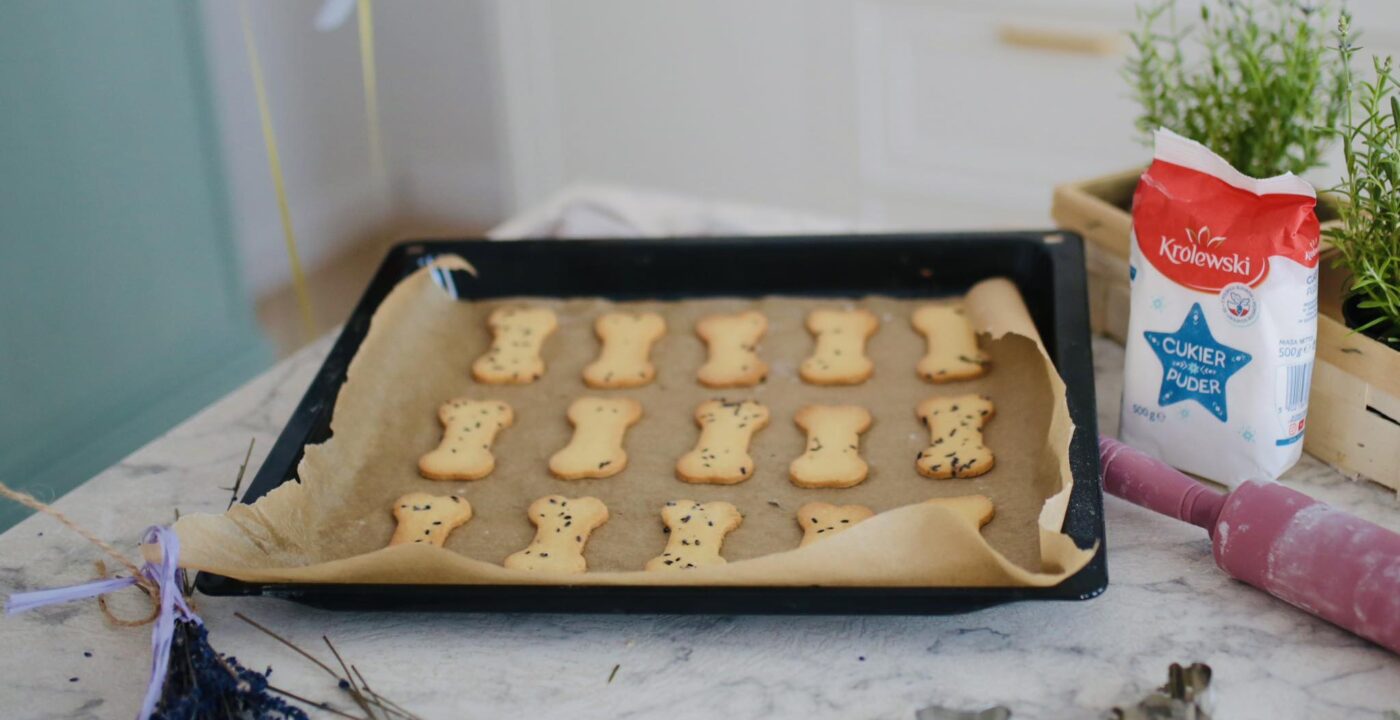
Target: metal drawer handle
x=1078, y=42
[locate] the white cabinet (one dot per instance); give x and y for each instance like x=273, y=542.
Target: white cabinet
x=971, y=112
x=900, y=113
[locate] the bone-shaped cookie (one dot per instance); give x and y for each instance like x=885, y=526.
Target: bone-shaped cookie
x=976, y=509
x=832, y=457
x=517, y=336
x=839, y=357
x=820, y=520
x=721, y=455
x=955, y=430
x=627, y=341
x=469, y=428
x=695, y=533
x=952, y=345
x=595, y=451
x=732, y=340
x=424, y=518
x=562, y=527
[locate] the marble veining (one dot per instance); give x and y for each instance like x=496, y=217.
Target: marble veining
x=1166, y=602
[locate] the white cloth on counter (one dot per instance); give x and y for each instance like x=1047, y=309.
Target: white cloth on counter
x=605, y=211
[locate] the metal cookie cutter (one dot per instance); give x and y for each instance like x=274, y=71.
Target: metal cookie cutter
x=1186, y=696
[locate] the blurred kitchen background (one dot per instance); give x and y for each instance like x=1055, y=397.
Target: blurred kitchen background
x=142, y=262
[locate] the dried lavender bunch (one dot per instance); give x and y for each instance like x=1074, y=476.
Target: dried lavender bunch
x=202, y=683
x=1368, y=239
x=1262, y=84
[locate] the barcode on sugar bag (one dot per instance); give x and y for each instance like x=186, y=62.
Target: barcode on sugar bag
x=1294, y=382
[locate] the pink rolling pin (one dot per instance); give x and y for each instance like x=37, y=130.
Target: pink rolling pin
x=1334, y=565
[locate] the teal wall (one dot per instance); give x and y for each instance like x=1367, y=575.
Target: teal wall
x=121, y=310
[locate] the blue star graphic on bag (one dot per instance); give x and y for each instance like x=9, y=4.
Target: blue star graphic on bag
x=1194, y=365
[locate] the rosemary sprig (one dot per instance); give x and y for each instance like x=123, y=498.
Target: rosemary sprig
x=238, y=480
x=348, y=680
x=1368, y=239
x=1262, y=83
x=309, y=701
x=374, y=705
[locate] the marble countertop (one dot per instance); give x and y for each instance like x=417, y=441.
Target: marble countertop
x=1166, y=603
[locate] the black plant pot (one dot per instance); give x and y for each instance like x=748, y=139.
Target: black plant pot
x=1357, y=316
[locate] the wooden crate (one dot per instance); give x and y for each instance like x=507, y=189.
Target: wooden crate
x=1354, y=405
x=1097, y=210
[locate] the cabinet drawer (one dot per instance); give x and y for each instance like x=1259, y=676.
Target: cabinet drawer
x=976, y=103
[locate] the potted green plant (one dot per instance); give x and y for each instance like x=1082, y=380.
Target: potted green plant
x=1367, y=237
x=1262, y=84
x=1269, y=86
x=1354, y=406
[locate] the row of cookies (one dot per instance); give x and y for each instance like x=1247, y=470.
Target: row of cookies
x=839, y=358
x=695, y=531
x=831, y=457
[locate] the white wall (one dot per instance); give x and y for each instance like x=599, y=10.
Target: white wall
x=750, y=101
x=440, y=108
x=437, y=110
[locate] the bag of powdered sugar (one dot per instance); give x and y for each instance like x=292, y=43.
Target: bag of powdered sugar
x=1223, y=322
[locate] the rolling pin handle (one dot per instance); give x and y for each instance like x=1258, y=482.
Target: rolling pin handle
x=1142, y=480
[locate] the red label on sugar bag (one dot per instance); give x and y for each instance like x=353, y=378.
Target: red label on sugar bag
x=1204, y=233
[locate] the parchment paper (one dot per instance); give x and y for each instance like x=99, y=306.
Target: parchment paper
x=333, y=526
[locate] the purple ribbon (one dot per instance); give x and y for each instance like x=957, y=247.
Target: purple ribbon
x=165, y=575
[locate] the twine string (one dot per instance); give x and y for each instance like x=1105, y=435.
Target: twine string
x=274, y=166
x=368, y=77
x=111, y=616
x=33, y=503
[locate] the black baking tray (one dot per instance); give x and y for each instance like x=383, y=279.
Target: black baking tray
x=1047, y=267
